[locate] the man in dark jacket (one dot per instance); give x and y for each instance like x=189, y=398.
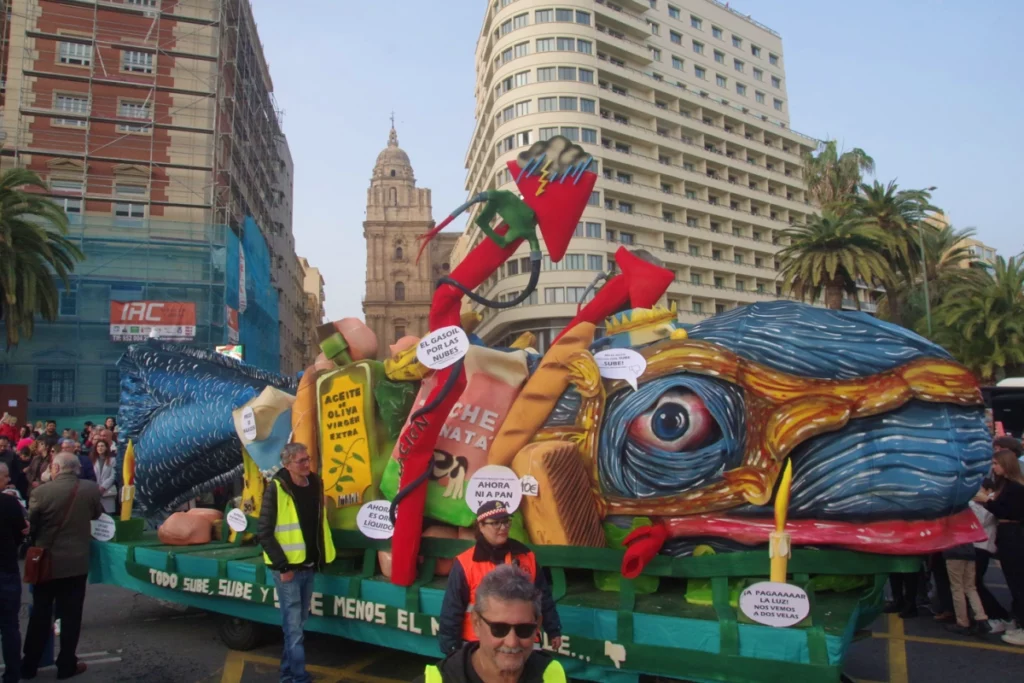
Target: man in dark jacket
x=15, y=467
x=296, y=543
x=506, y=616
x=13, y=528
x=493, y=548
x=60, y=516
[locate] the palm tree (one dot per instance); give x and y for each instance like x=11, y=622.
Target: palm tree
x=831, y=253
x=948, y=263
x=833, y=176
x=898, y=214
x=982, y=320
x=33, y=248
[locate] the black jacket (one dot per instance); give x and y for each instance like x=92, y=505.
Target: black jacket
x=16, y=469
x=456, y=596
x=268, y=520
x=455, y=668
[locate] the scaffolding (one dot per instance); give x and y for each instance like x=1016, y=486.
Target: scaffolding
x=156, y=126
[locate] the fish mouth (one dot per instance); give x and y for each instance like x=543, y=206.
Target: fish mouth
x=884, y=537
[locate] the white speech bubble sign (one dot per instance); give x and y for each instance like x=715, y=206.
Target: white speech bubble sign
x=775, y=604
x=237, y=521
x=249, y=424
x=442, y=347
x=624, y=364
x=494, y=482
x=374, y=520
x=103, y=528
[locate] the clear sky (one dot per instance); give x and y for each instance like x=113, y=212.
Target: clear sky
x=930, y=88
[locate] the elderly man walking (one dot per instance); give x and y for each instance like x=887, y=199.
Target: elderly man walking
x=296, y=543
x=506, y=617
x=59, y=513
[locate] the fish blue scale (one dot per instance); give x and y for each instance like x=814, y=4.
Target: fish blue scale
x=176, y=405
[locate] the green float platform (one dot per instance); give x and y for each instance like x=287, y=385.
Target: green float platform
x=612, y=637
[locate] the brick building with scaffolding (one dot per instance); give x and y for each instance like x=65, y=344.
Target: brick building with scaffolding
x=155, y=125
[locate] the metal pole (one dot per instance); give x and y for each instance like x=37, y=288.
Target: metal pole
x=924, y=274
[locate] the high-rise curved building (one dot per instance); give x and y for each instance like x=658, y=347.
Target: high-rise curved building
x=683, y=105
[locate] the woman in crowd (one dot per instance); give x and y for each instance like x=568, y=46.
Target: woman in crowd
x=38, y=471
x=111, y=424
x=9, y=427
x=105, y=465
x=1006, y=502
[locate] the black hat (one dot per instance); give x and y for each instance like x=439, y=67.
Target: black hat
x=493, y=509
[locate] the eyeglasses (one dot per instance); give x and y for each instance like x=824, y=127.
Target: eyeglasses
x=500, y=629
x=498, y=523
x=301, y=461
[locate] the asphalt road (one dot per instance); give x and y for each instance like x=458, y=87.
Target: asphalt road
x=127, y=637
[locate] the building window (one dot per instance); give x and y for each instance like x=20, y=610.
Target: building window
x=593, y=230
x=399, y=291
x=74, y=104
x=565, y=44
x=755, y=50
x=758, y=75
x=137, y=62
x=777, y=103
x=759, y=96
x=738, y=65
x=573, y=262
x=131, y=203
x=506, y=27
x=142, y=3
x=584, y=46
x=737, y=258
x=627, y=237
x=545, y=44
x=68, y=304
x=741, y=285
x=55, y=386
x=512, y=267
x=583, y=18
x=675, y=37
x=554, y=295
x=567, y=73
x=721, y=81
x=77, y=54
x=655, y=54
x=694, y=278
x=655, y=28
x=586, y=76
x=700, y=72
x=547, y=104
x=741, y=89
x=677, y=63
x=698, y=307
x=128, y=109
x=716, y=32
x=670, y=245
x=776, y=82
x=595, y=198
x=694, y=250
x=523, y=139
x=737, y=41
x=588, y=135
x=112, y=386
x=719, y=57
x=522, y=49
x=673, y=12
x=520, y=79
x=520, y=20
x=547, y=133
x=522, y=108
x=68, y=195
x=563, y=15
x=595, y=262
x=543, y=16
x=696, y=23
x=399, y=253
x=773, y=59
x=698, y=47
x=546, y=73
x=587, y=106
x=570, y=133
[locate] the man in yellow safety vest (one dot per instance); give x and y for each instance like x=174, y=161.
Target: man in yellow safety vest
x=296, y=543
x=506, y=616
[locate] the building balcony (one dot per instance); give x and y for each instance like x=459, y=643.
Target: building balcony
x=616, y=43
x=614, y=16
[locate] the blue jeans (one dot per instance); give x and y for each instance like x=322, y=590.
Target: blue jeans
x=294, y=597
x=10, y=633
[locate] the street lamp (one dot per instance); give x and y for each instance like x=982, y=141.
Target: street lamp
x=924, y=272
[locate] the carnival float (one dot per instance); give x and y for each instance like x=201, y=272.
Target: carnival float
x=715, y=502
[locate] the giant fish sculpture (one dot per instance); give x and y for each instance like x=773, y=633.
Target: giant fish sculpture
x=176, y=405
x=885, y=432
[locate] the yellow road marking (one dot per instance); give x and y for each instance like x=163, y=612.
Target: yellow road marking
x=978, y=645
x=331, y=674
x=234, y=668
x=897, y=651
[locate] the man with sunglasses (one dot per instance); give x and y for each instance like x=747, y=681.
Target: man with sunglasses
x=493, y=549
x=296, y=543
x=505, y=617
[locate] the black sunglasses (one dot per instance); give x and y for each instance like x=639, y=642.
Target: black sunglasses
x=500, y=629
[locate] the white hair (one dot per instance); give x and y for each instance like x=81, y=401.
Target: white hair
x=67, y=462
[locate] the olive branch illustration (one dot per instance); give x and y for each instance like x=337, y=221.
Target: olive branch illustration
x=343, y=463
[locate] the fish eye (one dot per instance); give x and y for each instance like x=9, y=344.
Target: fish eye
x=678, y=421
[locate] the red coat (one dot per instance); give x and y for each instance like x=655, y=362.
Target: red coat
x=11, y=432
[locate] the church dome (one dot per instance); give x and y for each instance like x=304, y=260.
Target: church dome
x=393, y=162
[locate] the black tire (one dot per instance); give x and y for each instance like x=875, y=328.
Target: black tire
x=241, y=634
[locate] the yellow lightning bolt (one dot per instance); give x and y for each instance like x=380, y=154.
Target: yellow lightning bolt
x=544, y=178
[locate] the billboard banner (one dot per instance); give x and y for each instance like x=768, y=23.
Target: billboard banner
x=243, y=302
x=231, y=318
x=134, y=321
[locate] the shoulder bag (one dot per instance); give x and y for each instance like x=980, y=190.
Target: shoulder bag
x=38, y=563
